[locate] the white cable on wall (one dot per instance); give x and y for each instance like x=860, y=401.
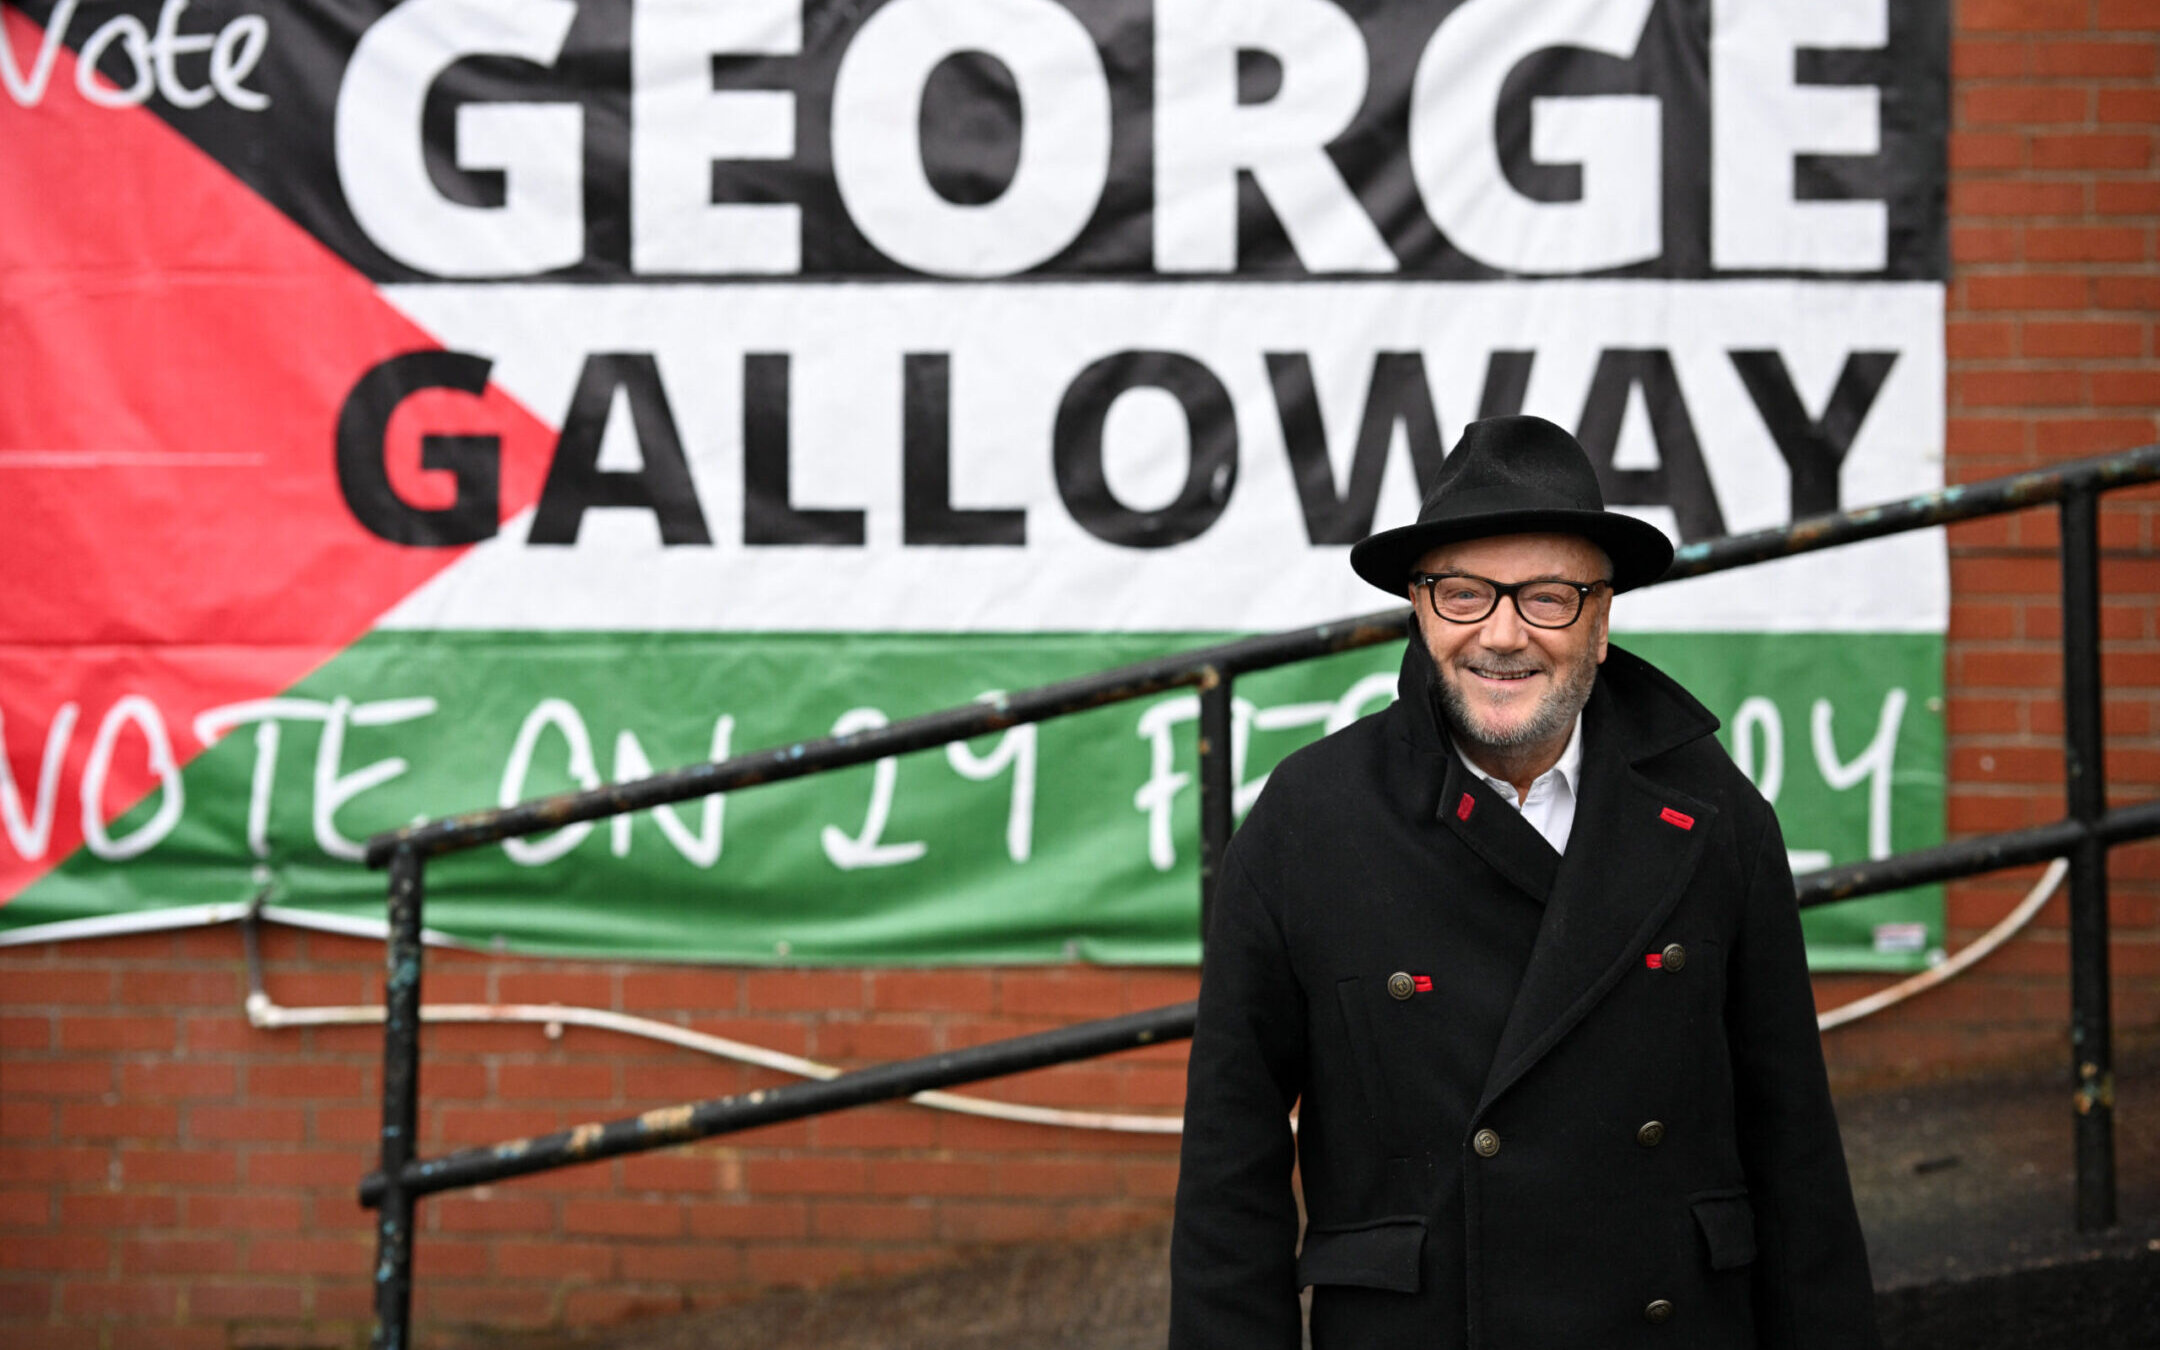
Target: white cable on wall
x=210, y=916
x=263, y=1013
x=2042, y=891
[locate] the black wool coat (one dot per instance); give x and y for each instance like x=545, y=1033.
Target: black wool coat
x=1545, y=1102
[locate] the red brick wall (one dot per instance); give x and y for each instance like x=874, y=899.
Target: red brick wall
x=2051, y=343
x=172, y=1178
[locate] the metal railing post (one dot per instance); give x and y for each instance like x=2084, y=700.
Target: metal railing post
x=401, y=1102
x=1217, y=789
x=2085, y=774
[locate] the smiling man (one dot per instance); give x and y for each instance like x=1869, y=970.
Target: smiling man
x=1523, y=953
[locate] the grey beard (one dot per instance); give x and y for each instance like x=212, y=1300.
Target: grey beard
x=1555, y=714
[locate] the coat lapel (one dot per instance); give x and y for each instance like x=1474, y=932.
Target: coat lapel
x=1438, y=786
x=1496, y=831
x=1627, y=862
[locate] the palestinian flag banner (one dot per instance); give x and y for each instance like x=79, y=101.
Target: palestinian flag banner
x=412, y=408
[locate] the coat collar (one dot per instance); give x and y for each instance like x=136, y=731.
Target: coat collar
x=1593, y=931
x=1650, y=713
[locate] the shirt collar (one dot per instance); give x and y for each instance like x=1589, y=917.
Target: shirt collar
x=1569, y=766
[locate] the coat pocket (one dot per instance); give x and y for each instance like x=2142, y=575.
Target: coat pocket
x=1379, y=1254
x=1364, y=1055
x=1727, y=1220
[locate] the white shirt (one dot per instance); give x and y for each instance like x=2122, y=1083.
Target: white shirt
x=1550, y=807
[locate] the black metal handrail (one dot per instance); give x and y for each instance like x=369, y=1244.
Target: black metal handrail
x=2085, y=835
x=791, y=1101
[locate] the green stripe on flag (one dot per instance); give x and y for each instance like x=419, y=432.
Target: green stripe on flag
x=1076, y=840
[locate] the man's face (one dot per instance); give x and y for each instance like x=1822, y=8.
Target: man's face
x=1503, y=682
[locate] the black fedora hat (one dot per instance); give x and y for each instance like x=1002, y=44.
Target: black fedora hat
x=1515, y=475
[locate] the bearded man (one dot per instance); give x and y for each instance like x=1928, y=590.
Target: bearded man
x=1523, y=952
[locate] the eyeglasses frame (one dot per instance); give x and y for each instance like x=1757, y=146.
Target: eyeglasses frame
x=1507, y=591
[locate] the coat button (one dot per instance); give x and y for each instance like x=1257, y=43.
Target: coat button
x=1486, y=1143
x=1651, y=1134
x=1675, y=957
x=1400, y=985
x=1659, y=1312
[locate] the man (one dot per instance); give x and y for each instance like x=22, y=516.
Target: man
x=1523, y=952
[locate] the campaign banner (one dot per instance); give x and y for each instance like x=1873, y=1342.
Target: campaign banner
x=417, y=408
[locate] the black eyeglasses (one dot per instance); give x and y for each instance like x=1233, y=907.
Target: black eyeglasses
x=1459, y=597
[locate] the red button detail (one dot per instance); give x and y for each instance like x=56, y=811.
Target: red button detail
x=1423, y=983
x=1655, y=960
x=1672, y=817
x=1465, y=806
